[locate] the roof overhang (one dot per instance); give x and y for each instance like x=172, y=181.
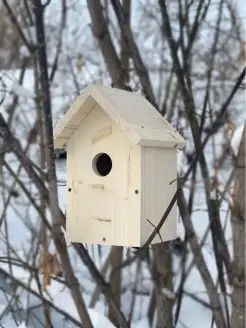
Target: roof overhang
x=90, y=97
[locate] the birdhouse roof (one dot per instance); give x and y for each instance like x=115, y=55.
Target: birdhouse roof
x=132, y=112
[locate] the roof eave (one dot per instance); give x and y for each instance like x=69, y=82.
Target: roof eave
x=161, y=143
x=60, y=143
x=72, y=119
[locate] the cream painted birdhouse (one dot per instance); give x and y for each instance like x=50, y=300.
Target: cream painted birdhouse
x=121, y=168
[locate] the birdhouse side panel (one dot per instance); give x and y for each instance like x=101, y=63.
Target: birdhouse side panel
x=75, y=229
x=104, y=171
x=159, y=185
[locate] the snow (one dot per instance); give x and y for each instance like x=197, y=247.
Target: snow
x=65, y=302
x=62, y=299
x=181, y=162
x=20, y=91
x=22, y=325
x=168, y=293
x=98, y=320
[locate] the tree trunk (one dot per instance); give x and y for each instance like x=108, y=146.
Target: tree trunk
x=162, y=276
x=238, y=232
x=59, y=240
x=115, y=282
x=101, y=32
x=43, y=229
x=125, y=54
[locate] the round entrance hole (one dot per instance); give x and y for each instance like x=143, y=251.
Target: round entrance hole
x=102, y=164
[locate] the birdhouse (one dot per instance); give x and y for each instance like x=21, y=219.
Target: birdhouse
x=121, y=168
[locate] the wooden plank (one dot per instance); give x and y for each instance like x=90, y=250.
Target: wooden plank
x=159, y=167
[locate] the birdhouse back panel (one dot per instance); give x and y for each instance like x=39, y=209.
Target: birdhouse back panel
x=104, y=183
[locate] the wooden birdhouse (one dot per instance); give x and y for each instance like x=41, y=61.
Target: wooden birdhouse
x=121, y=168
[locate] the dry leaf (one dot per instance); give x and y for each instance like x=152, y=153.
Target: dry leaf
x=48, y=265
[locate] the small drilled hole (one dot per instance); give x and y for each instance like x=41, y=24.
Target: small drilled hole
x=142, y=127
x=69, y=189
x=104, y=239
x=136, y=191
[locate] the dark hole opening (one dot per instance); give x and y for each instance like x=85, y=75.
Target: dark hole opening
x=102, y=164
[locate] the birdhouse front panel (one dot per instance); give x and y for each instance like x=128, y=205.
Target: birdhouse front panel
x=104, y=183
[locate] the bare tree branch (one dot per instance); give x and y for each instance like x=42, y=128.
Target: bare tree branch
x=101, y=32
x=17, y=25
x=201, y=265
x=136, y=56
